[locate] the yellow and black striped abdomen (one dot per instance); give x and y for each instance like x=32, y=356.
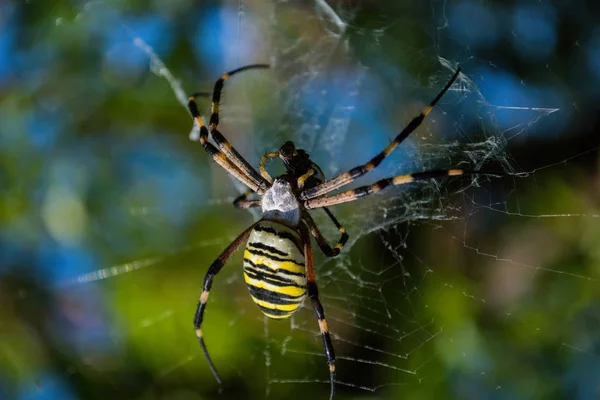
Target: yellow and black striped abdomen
x=274, y=269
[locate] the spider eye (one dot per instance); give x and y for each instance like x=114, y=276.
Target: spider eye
x=288, y=150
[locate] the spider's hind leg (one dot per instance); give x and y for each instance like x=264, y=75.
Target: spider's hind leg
x=213, y=270
x=321, y=241
x=242, y=200
x=313, y=294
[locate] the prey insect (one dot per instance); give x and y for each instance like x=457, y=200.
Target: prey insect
x=278, y=259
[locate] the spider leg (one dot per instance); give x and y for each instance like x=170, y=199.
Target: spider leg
x=218, y=137
x=242, y=201
x=314, y=230
x=216, y=155
x=263, y=162
x=303, y=178
x=313, y=294
x=353, y=194
x=208, y=280
x=354, y=173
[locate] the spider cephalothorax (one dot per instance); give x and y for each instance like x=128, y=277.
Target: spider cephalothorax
x=279, y=203
x=278, y=260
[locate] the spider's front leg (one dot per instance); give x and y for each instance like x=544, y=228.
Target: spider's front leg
x=230, y=152
x=216, y=155
x=356, y=172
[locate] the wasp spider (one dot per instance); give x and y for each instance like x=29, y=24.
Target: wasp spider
x=278, y=260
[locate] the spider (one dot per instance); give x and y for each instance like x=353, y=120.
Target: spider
x=278, y=259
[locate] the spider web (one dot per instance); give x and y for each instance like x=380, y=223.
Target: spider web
x=455, y=287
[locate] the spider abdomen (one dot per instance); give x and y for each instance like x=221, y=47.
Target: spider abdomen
x=274, y=269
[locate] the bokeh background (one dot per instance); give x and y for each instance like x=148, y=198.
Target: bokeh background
x=110, y=214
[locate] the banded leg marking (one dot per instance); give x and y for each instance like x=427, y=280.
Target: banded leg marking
x=218, y=137
x=353, y=194
x=216, y=155
x=321, y=241
x=313, y=294
x=354, y=173
x=242, y=200
x=214, y=118
x=213, y=270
